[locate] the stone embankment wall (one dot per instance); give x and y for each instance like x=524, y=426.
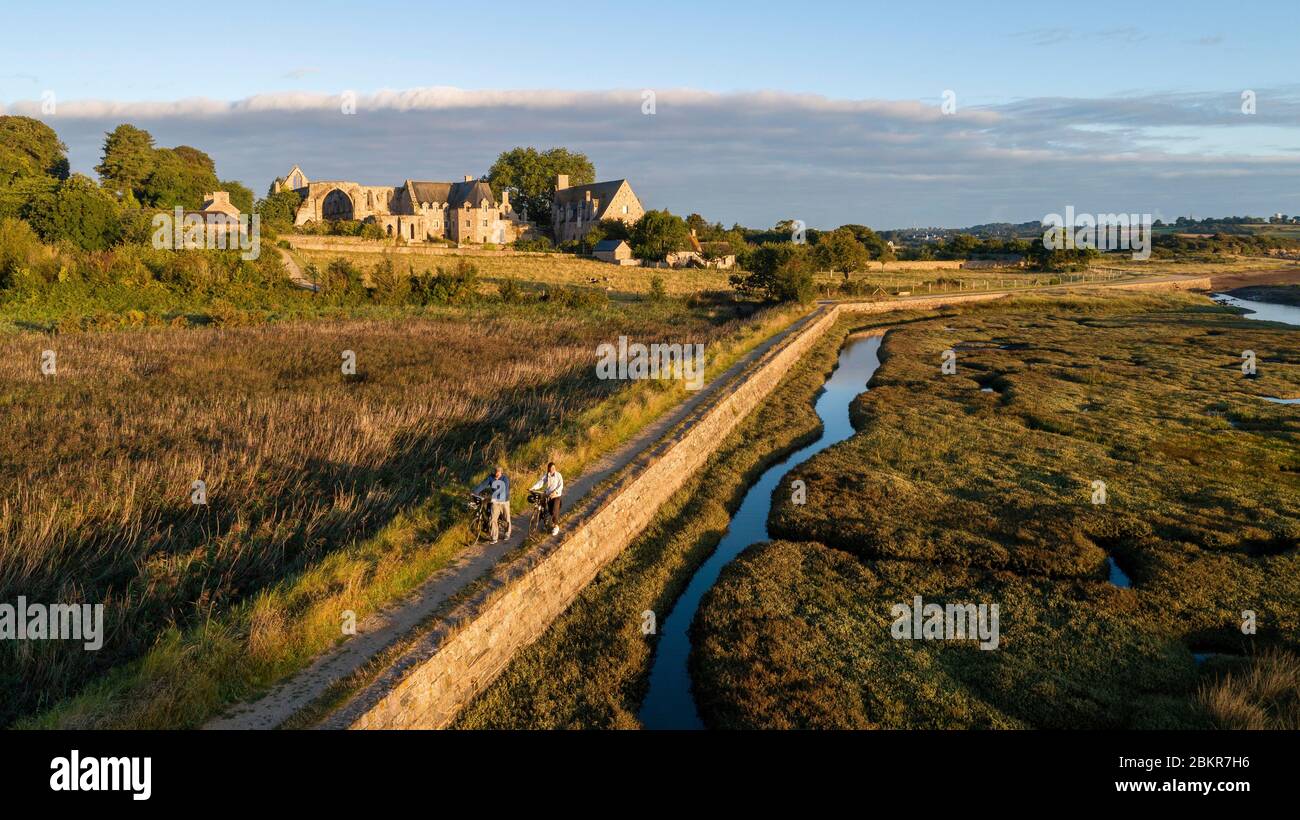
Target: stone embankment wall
x=469, y=647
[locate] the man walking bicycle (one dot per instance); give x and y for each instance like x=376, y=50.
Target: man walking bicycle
x=500, y=486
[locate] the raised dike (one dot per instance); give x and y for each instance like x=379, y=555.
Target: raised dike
x=467, y=648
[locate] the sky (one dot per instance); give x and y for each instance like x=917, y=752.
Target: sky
x=827, y=112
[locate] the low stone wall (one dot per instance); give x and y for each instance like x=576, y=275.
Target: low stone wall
x=468, y=648
x=307, y=242
x=1191, y=283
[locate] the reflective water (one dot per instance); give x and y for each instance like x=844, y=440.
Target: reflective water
x=1263, y=311
x=669, y=704
x=1117, y=575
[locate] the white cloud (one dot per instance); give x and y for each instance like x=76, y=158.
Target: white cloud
x=759, y=156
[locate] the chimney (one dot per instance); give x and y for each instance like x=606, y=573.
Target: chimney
x=469, y=178
x=588, y=194
x=505, y=199
x=561, y=181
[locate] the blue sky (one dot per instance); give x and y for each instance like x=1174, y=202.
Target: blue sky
x=1152, y=87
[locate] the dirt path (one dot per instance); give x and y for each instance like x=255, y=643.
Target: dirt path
x=388, y=626
x=295, y=273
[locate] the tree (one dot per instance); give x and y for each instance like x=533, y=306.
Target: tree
x=178, y=178
x=279, y=209
x=606, y=229
x=779, y=272
x=128, y=159
x=659, y=233
x=840, y=251
x=241, y=196
x=529, y=176
x=79, y=211
x=30, y=148
x=886, y=255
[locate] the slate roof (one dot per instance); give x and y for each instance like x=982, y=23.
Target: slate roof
x=604, y=191
x=609, y=244
x=454, y=194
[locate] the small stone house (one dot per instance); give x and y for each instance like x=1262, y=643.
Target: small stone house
x=616, y=251
x=218, y=202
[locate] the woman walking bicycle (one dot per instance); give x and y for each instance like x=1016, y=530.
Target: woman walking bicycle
x=551, y=487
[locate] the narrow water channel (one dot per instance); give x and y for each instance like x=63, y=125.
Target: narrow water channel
x=670, y=703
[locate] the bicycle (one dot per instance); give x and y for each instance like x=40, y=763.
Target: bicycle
x=539, y=520
x=480, y=524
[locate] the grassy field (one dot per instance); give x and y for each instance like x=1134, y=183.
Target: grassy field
x=962, y=495
x=538, y=272
x=326, y=492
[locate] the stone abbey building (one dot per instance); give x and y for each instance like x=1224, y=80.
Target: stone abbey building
x=463, y=212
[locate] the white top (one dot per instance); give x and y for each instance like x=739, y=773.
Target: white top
x=551, y=483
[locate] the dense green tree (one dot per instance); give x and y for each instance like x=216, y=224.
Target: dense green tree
x=194, y=158
x=128, y=159
x=79, y=211
x=279, y=209
x=241, y=196
x=178, y=178
x=840, y=251
x=138, y=173
x=33, y=163
x=15, y=195
x=30, y=148
x=779, y=272
x=659, y=233
x=870, y=239
x=529, y=176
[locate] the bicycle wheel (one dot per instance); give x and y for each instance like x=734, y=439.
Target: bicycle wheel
x=478, y=528
x=537, y=524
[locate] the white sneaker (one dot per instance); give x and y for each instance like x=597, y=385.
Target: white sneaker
x=555, y=530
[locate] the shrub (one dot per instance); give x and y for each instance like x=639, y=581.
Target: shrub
x=578, y=297
x=539, y=245
x=657, y=291
x=509, y=291
x=446, y=287
x=389, y=286
x=341, y=280
x=78, y=211
x=19, y=246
